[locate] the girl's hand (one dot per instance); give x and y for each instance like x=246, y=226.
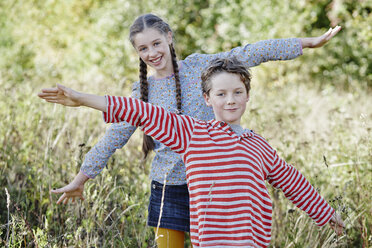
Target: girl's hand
x=337, y=224
x=319, y=41
x=72, y=190
x=61, y=95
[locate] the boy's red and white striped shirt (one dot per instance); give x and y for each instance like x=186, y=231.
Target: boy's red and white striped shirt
x=229, y=202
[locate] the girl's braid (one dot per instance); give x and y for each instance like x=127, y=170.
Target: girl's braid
x=148, y=143
x=176, y=78
x=144, y=84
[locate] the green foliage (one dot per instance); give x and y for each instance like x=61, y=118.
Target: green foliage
x=314, y=110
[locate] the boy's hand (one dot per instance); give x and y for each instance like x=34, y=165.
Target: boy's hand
x=337, y=224
x=61, y=95
x=314, y=42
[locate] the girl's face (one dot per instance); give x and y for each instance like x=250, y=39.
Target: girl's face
x=153, y=48
x=228, y=97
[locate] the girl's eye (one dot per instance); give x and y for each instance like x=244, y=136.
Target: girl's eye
x=156, y=43
x=239, y=92
x=220, y=94
x=142, y=49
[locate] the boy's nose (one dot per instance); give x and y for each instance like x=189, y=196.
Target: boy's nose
x=230, y=100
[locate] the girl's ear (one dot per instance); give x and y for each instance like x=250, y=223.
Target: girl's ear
x=207, y=99
x=170, y=38
x=248, y=97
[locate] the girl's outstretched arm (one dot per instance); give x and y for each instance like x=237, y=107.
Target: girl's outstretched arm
x=71, y=98
x=314, y=42
x=265, y=50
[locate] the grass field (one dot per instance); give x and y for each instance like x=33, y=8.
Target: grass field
x=325, y=133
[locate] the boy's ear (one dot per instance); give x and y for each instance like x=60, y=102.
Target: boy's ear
x=207, y=99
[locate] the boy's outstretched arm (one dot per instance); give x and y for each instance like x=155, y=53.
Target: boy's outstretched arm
x=71, y=98
x=314, y=42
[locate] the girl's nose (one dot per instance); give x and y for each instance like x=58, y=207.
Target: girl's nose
x=152, y=52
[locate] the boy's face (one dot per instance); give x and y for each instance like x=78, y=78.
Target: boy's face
x=228, y=97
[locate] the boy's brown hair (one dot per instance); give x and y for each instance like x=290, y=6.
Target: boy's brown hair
x=229, y=65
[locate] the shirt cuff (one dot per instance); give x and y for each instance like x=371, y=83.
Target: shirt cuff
x=327, y=219
x=91, y=177
x=105, y=114
x=300, y=46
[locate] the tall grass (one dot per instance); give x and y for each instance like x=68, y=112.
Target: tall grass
x=325, y=134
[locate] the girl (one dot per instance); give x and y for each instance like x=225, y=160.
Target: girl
x=226, y=165
x=175, y=86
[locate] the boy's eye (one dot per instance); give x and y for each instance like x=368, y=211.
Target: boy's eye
x=220, y=94
x=156, y=43
x=239, y=92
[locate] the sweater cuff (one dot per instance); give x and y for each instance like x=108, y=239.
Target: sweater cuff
x=105, y=114
x=327, y=219
x=86, y=174
x=300, y=46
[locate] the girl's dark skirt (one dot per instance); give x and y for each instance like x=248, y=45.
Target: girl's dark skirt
x=176, y=212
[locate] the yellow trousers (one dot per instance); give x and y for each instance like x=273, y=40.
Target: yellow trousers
x=168, y=238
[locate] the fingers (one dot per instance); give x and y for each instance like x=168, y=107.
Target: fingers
x=328, y=32
x=56, y=90
x=61, y=87
x=69, y=191
x=337, y=224
x=65, y=189
x=334, y=31
x=62, y=198
x=46, y=95
x=50, y=98
x=64, y=89
x=49, y=90
x=66, y=197
x=49, y=94
x=338, y=229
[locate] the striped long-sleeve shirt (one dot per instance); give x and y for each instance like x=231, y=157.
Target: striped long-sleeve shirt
x=229, y=203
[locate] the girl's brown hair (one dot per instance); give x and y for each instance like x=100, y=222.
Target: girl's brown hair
x=140, y=24
x=230, y=65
